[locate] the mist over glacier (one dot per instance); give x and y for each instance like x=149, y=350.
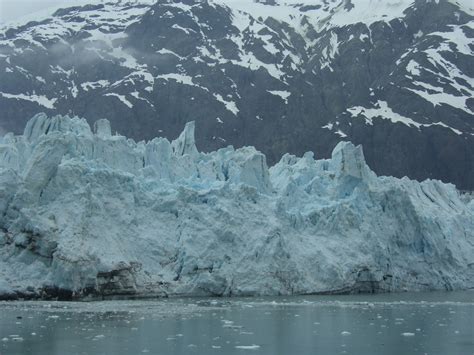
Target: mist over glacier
x=84, y=212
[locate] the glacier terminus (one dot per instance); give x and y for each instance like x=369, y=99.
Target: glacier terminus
x=84, y=212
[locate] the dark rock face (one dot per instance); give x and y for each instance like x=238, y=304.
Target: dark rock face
x=120, y=281
x=282, y=78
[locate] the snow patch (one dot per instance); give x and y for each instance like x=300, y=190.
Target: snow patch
x=229, y=105
x=383, y=111
x=283, y=94
x=122, y=98
x=38, y=99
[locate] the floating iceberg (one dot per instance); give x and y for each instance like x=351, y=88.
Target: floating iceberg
x=86, y=212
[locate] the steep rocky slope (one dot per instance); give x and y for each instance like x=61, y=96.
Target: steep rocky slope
x=281, y=75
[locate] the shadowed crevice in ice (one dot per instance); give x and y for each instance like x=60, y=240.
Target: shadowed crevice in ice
x=86, y=212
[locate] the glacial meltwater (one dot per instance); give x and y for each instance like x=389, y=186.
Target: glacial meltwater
x=410, y=323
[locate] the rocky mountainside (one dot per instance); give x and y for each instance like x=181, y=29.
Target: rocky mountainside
x=91, y=213
x=283, y=75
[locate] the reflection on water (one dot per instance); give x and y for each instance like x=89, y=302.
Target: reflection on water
x=421, y=323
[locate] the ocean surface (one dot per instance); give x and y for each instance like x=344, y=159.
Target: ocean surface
x=408, y=323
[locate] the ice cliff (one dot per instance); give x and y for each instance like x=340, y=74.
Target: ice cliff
x=85, y=212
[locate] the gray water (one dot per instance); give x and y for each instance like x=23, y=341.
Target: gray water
x=420, y=323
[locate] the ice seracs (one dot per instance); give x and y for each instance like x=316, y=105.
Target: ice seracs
x=102, y=128
x=85, y=212
x=185, y=143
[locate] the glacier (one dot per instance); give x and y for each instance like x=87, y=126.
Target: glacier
x=85, y=213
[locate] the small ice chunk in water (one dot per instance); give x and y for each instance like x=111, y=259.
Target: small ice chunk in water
x=345, y=333
x=4, y=339
x=17, y=339
x=408, y=334
x=248, y=347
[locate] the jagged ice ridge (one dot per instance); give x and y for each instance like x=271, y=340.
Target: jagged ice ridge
x=86, y=212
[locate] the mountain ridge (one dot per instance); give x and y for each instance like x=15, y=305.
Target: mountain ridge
x=281, y=77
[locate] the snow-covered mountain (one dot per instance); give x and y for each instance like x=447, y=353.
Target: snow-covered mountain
x=283, y=75
x=94, y=213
